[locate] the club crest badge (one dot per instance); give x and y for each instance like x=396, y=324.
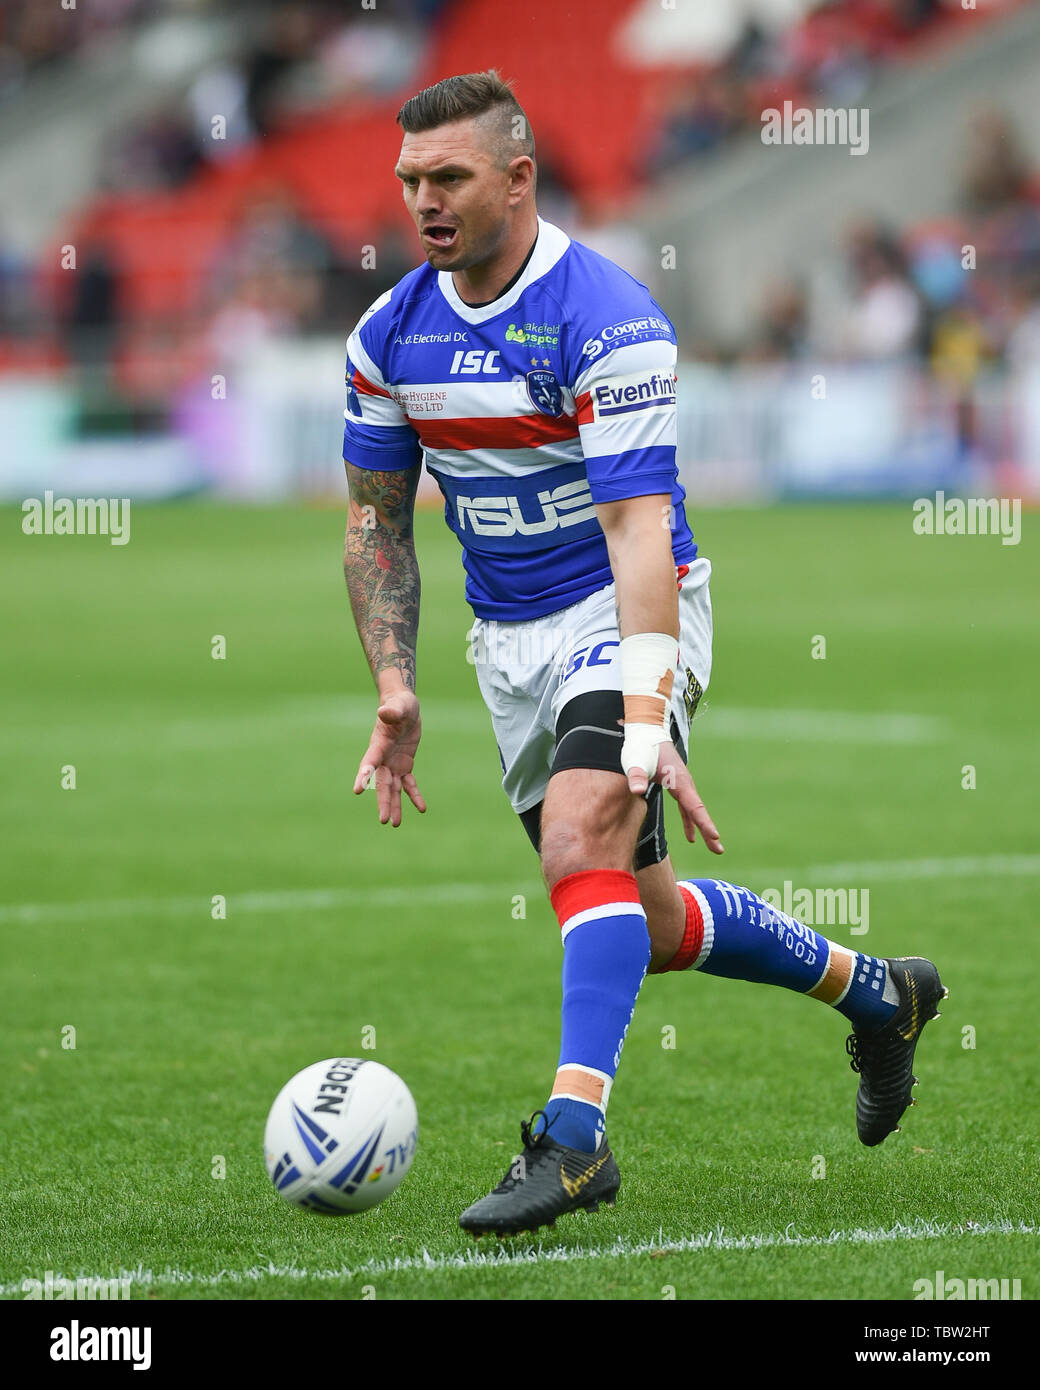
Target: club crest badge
x=353, y=404
x=545, y=391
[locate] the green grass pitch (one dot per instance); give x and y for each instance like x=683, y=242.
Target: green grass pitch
x=197, y=777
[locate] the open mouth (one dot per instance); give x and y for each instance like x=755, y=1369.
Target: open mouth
x=440, y=234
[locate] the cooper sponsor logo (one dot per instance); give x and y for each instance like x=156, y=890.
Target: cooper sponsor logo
x=624, y=394
x=567, y=505
x=627, y=331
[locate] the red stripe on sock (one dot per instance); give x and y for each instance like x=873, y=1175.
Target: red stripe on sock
x=693, y=936
x=592, y=888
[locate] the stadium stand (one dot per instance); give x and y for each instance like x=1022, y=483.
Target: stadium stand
x=192, y=242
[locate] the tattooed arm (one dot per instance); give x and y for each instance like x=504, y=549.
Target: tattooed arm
x=383, y=582
x=382, y=573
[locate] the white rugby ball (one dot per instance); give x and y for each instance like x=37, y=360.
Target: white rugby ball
x=341, y=1135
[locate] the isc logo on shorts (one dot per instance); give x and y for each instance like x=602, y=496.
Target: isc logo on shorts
x=570, y=504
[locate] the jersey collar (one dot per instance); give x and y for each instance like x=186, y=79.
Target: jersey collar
x=550, y=246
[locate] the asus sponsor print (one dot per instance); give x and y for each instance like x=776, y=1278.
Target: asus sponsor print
x=514, y=510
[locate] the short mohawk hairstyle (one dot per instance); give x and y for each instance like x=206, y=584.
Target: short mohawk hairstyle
x=480, y=94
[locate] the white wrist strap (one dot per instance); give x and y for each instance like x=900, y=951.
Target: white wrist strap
x=648, y=665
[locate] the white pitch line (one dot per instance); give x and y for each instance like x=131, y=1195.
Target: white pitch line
x=961, y=866
x=309, y=716
x=284, y=900
x=820, y=726
x=503, y=1257
x=320, y=899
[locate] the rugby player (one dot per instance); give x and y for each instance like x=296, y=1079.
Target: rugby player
x=538, y=379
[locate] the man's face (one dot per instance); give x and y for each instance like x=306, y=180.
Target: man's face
x=457, y=195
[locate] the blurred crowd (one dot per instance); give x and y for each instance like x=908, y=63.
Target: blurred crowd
x=298, y=56
x=296, y=52
x=35, y=36
x=276, y=274
x=958, y=293
x=831, y=55
x=908, y=293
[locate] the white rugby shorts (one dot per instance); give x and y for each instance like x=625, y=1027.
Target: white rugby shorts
x=528, y=671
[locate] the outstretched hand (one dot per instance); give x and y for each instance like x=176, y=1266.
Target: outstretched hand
x=390, y=756
x=673, y=774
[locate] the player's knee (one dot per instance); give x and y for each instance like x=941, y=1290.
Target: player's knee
x=596, y=834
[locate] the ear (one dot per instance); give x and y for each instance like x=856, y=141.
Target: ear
x=521, y=177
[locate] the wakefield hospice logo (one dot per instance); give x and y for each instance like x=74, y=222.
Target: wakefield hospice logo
x=80, y=516
x=803, y=125
x=536, y=334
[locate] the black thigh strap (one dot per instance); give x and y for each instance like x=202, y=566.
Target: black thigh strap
x=588, y=734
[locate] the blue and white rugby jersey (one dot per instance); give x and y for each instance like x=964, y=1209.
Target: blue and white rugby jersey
x=557, y=395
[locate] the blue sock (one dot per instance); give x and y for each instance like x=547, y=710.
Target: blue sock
x=746, y=938
x=606, y=950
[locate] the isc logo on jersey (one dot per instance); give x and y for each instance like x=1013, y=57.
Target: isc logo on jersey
x=475, y=361
x=567, y=505
x=624, y=395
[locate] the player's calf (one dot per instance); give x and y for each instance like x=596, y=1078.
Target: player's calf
x=666, y=916
x=732, y=932
x=567, y=1163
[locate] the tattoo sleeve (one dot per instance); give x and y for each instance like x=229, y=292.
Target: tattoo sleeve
x=381, y=570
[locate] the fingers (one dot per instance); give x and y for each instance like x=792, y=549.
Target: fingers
x=637, y=781
x=393, y=743
x=390, y=802
x=371, y=759
x=388, y=786
x=367, y=768
x=695, y=817
x=384, y=796
x=415, y=795
x=694, y=813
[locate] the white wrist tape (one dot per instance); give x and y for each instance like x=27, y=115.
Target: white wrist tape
x=640, y=748
x=648, y=665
